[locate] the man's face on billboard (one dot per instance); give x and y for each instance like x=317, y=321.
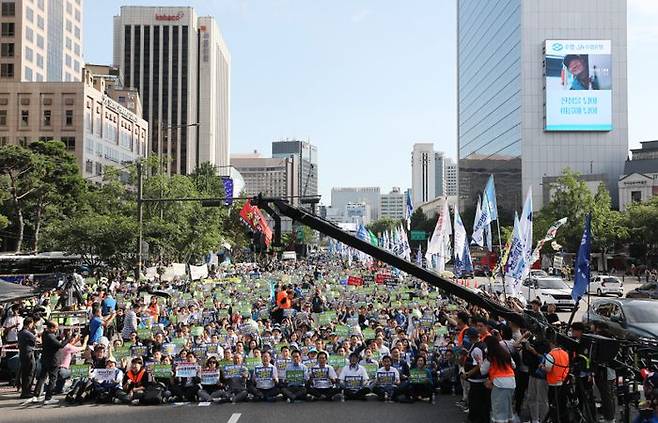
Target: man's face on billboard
x=576, y=66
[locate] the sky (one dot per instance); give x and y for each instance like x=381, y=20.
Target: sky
x=362, y=79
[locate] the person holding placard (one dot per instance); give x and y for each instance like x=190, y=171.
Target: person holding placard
x=420, y=378
x=387, y=381
x=295, y=379
x=135, y=381
x=265, y=379
x=354, y=379
x=322, y=379
x=234, y=377
x=186, y=382
x=211, y=388
x=107, y=381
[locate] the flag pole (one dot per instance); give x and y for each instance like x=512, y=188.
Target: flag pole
x=500, y=257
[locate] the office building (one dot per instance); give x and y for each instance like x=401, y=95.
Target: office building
x=450, y=177
x=41, y=40
x=430, y=173
x=270, y=176
x=639, y=183
x=392, y=205
x=307, y=155
x=180, y=65
x=340, y=197
x=541, y=87
x=92, y=124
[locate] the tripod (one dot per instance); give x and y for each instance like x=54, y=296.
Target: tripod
x=577, y=410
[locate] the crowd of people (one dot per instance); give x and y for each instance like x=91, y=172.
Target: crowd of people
x=296, y=331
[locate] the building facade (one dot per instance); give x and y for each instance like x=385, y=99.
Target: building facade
x=432, y=174
x=341, y=196
x=639, y=183
x=272, y=177
x=392, y=205
x=94, y=126
x=41, y=40
x=450, y=173
x=503, y=81
x=180, y=65
x=307, y=155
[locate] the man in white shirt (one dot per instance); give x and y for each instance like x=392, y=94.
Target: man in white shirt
x=387, y=381
x=265, y=378
x=322, y=379
x=354, y=379
x=13, y=324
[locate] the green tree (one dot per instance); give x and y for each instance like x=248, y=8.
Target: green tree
x=608, y=226
x=57, y=188
x=384, y=224
x=641, y=221
x=19, y=168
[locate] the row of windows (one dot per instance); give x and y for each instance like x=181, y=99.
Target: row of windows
x=7, y=29
x=46, y=118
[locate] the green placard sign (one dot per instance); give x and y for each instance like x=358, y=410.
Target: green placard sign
x=368, y=333
x=418, y=376
x=337, y=362
x=252, y=362
x=371, y=369
x=162, y=371
x=418, y=235
x=144, y=333
x=79, y=370
x=196, y=330
x=342, y=330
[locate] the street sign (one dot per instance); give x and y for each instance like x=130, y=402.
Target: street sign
x=418, y=235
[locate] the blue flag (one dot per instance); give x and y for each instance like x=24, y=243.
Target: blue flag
x=410, y=210
x=581, y=281
x=490, y=197
x=228, y=190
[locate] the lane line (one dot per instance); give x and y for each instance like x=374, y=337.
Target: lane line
x=234, y=418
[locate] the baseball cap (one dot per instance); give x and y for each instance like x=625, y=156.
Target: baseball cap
x=472, y=333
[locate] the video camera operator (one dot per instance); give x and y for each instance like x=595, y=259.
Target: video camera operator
x=556, y=366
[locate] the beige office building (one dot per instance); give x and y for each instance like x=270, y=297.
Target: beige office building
x=41, y=40
x=84, y=115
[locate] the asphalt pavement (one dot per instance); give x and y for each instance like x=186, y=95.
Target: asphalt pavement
x=371, y=411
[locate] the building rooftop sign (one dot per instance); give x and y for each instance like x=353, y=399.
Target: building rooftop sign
x=176, y=17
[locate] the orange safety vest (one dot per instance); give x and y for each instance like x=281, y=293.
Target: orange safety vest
x=460, y=336
x=136, y=378
x=496, y=371
x=560, y=369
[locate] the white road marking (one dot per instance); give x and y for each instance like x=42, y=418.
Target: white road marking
x=234, y=418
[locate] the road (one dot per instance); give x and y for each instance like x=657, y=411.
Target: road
x=280, y=412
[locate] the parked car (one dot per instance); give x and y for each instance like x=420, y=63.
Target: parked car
x=549, y=290
x=606, y=284
x=538, y=273
x=625, y=317
x=648, y=290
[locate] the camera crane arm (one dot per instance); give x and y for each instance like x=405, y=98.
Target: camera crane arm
x=329, y=229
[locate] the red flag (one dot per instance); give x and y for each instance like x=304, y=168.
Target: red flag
x=253, y=217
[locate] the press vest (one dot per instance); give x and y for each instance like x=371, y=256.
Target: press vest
x=560, y=369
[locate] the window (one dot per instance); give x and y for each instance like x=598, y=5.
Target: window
x=3, y=118
x=69, y=43
x=29, y=34
x=636, y=196
x=69, y=7
x=69, y=26
x=39, y=41
x=25, y=118
x=29, y=14
x=69, y=142
x=89, y=166
x=4, y=141
x=77, y=49
x=40, y=4
x=68, y=120
x=8, y=29
x=28, y=54
x=6, y=70
x=76, y=66
x=46, y=139
x=77, y=15
x=77, y=32
x=68, y=60
x=39, y=77
x=46, y=117
x=40, y=22
x=7, y=50
x=9, y=9
x=99, y=169
x=28, y=73
x=39, y=61
x=22, y=141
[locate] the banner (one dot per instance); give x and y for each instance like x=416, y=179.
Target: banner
x=186, y=370
x=550, y=235
x=162, y=371
x=253, y=217
x=228, y=190
x=198, y=272
x=174, y=270
x=105, y=375
x=209, y=377
x=355, y=281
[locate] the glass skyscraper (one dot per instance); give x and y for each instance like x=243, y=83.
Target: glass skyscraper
x=502, y=92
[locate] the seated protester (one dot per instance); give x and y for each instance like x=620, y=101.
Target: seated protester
x=322, y=379
x=312, y=359
x=282, y=361
x=135, y=382
x=447, y=373
x=294, y=379
x=234, y=378
x=403, y=369
x=354, y=379
x=387, y=381
x=367, y=357
x=211, y=388
x=265, y=380
x=99, y=356
x=186, y=382
x=107, y=382
x=421, y=386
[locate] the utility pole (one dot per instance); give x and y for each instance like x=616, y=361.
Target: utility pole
x=140, y=216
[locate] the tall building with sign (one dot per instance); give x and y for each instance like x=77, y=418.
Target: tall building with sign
x=431, y=174
x=181, y=66
x=541, y=88
x=307, y=155
x=41, y=40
